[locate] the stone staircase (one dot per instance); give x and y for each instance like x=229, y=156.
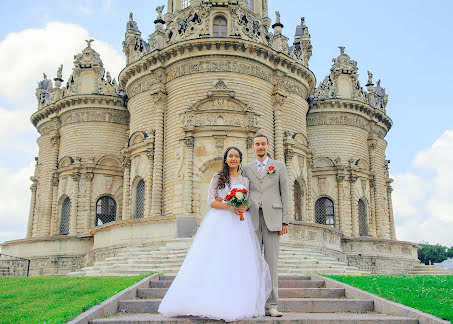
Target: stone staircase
x=302, y=300
x=168, y=258
x=423, y=269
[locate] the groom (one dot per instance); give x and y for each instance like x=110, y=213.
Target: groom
x=268, y=205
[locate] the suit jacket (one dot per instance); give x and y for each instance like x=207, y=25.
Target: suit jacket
x=272, y=190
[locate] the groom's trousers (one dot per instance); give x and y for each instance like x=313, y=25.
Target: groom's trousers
x=269, y=240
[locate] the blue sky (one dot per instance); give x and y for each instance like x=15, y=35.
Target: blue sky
x=403, y=43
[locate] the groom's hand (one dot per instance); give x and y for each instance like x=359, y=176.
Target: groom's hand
x=284, y=229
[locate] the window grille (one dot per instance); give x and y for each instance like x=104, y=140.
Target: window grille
x=220, y=27
x=185, y=4
x=324, y=212
x=250, y=4
x=105, y=210
x=64, y=219
x=297, y=201
x=363, y=226
x=140, y=199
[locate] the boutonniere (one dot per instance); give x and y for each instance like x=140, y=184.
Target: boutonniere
x=271, y=170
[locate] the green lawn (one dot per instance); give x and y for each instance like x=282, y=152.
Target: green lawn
x=56, y=299
x=429, y=294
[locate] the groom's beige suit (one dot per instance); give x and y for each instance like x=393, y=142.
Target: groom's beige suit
x=268, y=206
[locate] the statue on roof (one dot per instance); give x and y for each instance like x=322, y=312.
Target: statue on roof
x=159, y=12
x=277, y=17
x=131, y=24
x=341, y=50
x=370, y=78
x=60, y=72
x=89, y=41
x=44, y=76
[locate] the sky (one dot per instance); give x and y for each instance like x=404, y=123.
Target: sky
x=404, y=43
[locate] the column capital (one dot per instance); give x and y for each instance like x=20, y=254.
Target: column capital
x=89, y=176
x=189, y=141
x=55, y=181
x=76, y=176
x=159, y=97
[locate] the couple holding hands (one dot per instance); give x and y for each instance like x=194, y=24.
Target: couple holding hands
x=224, y=275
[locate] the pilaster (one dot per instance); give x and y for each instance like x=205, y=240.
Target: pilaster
x=149, y=183
x=31, y=214
x=54, y=215
x=89, y=212
x=278, y=100
x=126, y=188
x=354, y=206
x=160, y=99
x=340, y=208
x=74, y=204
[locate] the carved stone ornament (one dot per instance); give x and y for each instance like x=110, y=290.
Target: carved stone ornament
x=220, y=110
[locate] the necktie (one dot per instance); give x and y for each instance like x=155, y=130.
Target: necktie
x=261, y=169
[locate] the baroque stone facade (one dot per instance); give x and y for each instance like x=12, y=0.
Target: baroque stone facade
x=129, y=162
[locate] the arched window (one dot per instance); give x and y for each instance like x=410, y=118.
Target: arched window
x=250, y=4
x=324, y=212
x=105, y=210
x=363, y=226
x=140, y=199
x=219, y=27
x=185, y=3
x=297, y=201
x=64, y=218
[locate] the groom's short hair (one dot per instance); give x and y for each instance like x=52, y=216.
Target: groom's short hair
x=261, y=135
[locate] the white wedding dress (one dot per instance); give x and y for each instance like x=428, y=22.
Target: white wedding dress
x=224, y=275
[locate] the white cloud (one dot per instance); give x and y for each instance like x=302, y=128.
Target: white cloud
x=15, y=198
x=423, y=204
x=25, y=55
x=16, y=130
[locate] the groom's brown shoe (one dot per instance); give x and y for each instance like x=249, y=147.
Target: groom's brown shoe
x=273, y=312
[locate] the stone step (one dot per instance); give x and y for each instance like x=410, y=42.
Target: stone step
x=147, y=293
x=288, y=318
x=301, y=283
x=303, y=305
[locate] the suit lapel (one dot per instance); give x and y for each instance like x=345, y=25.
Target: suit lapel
x=255, y=170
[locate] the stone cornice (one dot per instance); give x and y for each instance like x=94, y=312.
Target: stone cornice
x=77, y=101
x=219, y=46
x=352, y=106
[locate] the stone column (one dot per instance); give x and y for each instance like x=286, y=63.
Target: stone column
x=354, y=206
x=46, y=218
x=126, y=187
x=310, y=217
x=74, y=205
x=391, y=220
x=32, y=207
x=188, y=176
x=340, y=207
x=289, y=154
x=373, y=208
x=157, y=189
x=250, y=151
x=149, y=184
x=54, y=217
x=89, y=212
x=278, y=101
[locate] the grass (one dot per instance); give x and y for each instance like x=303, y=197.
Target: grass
x=55, y=299
x=429, y=294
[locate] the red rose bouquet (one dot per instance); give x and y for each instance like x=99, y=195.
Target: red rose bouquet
x=237, y=197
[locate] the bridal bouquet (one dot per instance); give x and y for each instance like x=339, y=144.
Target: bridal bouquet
x=237, y=197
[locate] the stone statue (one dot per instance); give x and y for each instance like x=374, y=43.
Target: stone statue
x=131, y=24
x=44, y=76
x=277, y=17
x=341, y=49
x=370, y=77
x=109, y=78
x=302, y=22
x=60, y=72
x=159, y=12
x=89, y=41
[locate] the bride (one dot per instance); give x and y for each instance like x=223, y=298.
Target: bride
x=223, y=276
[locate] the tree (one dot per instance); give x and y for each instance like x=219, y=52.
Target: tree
x=434, y=253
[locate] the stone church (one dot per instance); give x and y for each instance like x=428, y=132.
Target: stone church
x=127, y=163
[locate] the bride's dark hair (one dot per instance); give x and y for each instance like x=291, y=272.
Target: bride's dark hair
x=224, y=173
